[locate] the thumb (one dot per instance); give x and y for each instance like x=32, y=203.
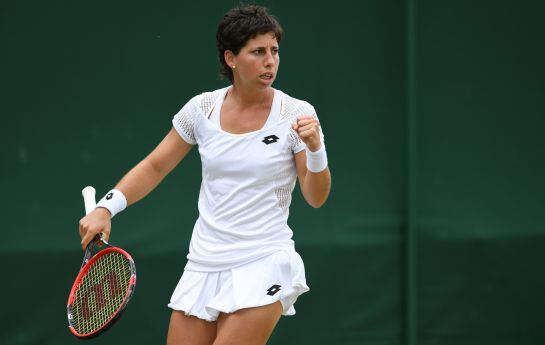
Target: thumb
x=106, y=233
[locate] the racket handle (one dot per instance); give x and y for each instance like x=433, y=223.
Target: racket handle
x=89, y=199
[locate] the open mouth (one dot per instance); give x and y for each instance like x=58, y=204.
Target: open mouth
x=266, y=76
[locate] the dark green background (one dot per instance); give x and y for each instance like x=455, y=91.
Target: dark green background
x=434, y=116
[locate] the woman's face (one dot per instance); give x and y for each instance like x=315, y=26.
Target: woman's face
x=257, y=62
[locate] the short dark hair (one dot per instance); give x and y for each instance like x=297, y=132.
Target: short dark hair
x=239, y=25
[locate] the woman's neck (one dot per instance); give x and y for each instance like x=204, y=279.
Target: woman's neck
x=250, y=97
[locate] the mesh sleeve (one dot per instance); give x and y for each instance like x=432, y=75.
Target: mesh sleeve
x=184, y=120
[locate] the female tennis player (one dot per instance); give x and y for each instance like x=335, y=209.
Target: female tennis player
x=242, y=270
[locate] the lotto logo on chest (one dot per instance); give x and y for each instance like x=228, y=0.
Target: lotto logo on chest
x=270, y=139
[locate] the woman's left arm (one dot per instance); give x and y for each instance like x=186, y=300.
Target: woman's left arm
x=315, y=186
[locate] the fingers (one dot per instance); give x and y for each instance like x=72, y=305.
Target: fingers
x=305, y=122
x=312, y=128
x=86, y=239
x=87, y=231
x=307, y=125
x=94, y=223
x=307, y=133
x=308, y=129
x=81, y=229
x=89, y=236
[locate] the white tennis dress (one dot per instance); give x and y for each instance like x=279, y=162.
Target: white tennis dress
x=241, y=252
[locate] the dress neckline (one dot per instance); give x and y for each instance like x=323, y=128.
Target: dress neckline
x=214, y=115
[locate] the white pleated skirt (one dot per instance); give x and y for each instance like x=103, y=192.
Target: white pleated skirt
x=277, y=277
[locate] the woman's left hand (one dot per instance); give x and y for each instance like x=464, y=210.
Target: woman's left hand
x=308, y=129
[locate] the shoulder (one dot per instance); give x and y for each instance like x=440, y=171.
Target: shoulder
x=186, y=120
x=292, y=107
x=203, y=102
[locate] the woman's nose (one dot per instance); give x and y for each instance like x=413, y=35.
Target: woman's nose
x=269, y=59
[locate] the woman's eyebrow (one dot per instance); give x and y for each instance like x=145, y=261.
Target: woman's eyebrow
x=264, y=47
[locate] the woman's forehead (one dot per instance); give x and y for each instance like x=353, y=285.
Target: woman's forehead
x=263, y=40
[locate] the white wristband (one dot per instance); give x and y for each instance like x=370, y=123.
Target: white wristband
x=316, y=161
x=114, y=202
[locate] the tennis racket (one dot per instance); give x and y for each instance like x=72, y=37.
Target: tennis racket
x=104, y=285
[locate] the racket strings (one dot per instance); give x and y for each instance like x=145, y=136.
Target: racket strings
x=101, y=292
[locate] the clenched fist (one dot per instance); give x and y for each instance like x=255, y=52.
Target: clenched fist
x=308, y=129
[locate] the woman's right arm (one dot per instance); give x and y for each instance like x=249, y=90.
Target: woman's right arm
x=137, y=183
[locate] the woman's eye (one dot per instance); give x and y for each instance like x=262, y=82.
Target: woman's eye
x=262, y=51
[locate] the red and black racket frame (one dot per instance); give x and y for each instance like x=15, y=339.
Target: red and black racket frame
x=94, y=251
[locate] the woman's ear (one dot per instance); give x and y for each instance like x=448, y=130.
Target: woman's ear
x=230, y=58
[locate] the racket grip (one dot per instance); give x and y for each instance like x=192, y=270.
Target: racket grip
x=89, y=199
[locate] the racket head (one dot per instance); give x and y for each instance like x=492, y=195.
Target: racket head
x=101, y=291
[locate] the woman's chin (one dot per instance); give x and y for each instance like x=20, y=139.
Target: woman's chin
x=265, y=82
